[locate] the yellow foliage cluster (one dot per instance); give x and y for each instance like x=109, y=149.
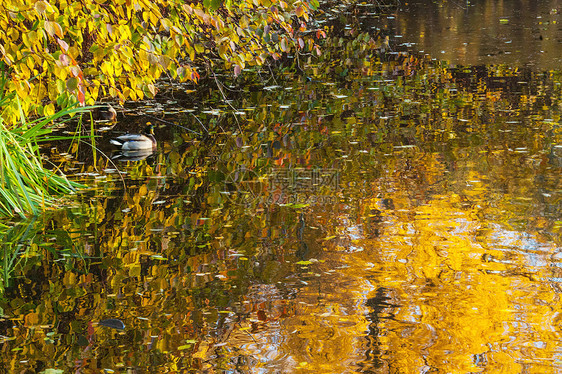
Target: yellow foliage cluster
x=54, y=54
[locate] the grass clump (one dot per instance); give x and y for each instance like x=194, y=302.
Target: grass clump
x=26, y=186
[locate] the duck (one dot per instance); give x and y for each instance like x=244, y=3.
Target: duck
x=136, y=142
x=104, y=113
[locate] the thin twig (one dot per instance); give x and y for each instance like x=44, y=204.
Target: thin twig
x=219, y=85
x=175, y=124
x=108, y=159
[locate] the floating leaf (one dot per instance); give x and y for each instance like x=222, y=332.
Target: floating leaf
x=283, y=45
x=112, y=323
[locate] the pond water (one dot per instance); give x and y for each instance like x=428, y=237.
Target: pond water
x=379, y=213
x=519, y=33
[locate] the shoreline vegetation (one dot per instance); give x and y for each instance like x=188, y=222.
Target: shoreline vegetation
x=27, y=186
x=56, y=57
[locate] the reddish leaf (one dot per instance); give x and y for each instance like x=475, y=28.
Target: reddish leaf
x=262, y=316
x=76, y=71
x=64, y=59
x=81, y=95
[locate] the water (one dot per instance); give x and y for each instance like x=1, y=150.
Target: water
x=518, y=33
x=397, y=216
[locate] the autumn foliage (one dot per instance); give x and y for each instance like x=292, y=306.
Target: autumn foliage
x=59, y=53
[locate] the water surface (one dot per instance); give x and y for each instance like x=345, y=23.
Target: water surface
x=398, y=215
x=518, y=33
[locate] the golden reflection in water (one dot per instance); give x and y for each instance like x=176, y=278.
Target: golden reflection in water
x=431, y=261
x=440, y=286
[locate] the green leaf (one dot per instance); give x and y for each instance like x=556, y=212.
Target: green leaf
x=215, y=4
x=72, y=83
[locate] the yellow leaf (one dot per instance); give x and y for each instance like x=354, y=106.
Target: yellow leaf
x=133, y=94
x=191, y=53
x=152, y=59
x=74, y=52
x=117, y=68
x=25, y=39
x=49, y=109
x=222, y=50
x=152, y=89
x=53, y=28
x=143, y=190
x=41, y=7
x=107, y=68
x=153, y=18
x=283, y=45
x=13, y=34
x=165, y=24
x=165, y=61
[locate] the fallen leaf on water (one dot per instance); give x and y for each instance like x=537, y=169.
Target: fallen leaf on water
x=112, y=323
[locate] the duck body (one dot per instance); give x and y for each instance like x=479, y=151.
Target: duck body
x=105, y=113
x=136, y=142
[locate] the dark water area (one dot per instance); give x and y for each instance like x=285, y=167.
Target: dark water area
x=376, y=212
x=514, y=33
